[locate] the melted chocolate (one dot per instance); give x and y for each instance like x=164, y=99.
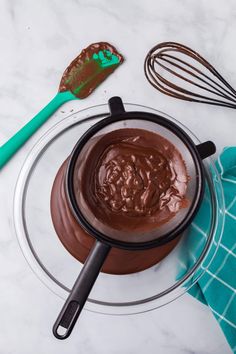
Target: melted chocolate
x=78, y=242
x=116, y=168
x=94, y=64
x=134, y=179
x=130, y=180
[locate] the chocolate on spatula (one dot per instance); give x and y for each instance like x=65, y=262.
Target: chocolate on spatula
x=92, y=66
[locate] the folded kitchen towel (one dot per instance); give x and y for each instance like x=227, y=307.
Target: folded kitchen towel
x=217, y=287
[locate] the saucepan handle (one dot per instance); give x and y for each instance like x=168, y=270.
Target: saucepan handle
x=206, y=149
x=116, y=105
x=80, y=291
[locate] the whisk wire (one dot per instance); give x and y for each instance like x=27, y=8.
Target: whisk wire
x=176, y=93
x=216, y=91
x=176, y=87
x=222, y=93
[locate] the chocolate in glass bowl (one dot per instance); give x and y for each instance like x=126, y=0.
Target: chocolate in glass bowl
x=128, y=180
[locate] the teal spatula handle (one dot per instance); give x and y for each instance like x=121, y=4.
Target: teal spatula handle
x=8, y=149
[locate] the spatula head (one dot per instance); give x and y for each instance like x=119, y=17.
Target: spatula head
x=90, y=68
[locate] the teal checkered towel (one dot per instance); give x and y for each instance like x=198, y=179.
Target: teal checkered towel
x=217, y=287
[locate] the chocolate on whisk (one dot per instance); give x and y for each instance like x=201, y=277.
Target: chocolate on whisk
x=178, y=71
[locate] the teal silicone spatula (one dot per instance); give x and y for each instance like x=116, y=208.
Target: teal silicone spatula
x=82, y=76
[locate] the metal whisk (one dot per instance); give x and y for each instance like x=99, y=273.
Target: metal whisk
x=180, y=72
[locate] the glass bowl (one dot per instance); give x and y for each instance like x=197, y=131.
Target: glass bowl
x=112, y=294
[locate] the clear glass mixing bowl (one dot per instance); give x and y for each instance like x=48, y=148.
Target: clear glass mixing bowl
x=112, y=294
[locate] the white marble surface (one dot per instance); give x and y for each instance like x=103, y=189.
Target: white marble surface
x=37, y=40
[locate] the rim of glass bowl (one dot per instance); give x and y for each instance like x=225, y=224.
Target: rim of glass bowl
x=128, y=308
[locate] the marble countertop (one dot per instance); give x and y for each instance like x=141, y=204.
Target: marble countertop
x=38, y=39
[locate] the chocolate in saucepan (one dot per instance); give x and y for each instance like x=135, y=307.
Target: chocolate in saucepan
x=128, y=180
